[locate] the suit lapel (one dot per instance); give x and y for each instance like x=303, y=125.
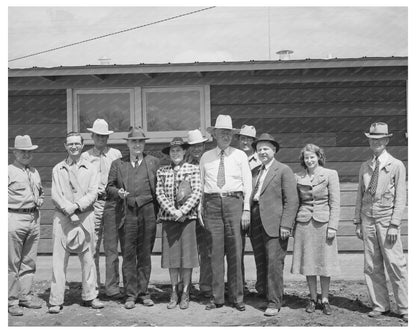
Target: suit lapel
x=269, y=176
x=125, y=171
x=150, y=175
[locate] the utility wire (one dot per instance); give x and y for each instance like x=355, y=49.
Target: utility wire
x=113, y=33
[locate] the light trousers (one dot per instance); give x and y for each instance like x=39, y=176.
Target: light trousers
x=380, y=253
x=23, y=239
x=60, y=261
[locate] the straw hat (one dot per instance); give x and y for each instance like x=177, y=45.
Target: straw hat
x=378, y=131
x=248, y=130
x=77, y=239
x=224, y=122
x=23, y=143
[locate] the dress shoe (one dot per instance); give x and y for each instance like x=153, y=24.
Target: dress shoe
x=55, y=309
x=14, y=310
x=184, y=304
x=326, y=308
x=147, y=302
x=95, y=304
x=311, y=306
x=31, y=304
x=405, y=317
x=211, y=306
x=240, y=306
x=129, y=305
x=376, y=313
x=270, y=312
x=173, y=298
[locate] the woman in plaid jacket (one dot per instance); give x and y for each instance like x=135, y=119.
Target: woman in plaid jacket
x=178, y=191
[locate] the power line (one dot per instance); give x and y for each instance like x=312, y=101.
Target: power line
x=113, y=33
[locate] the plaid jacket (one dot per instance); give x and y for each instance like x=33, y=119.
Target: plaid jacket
x=167, y=187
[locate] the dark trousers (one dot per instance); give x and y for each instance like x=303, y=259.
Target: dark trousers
x=222, y=217
x=269, y=255
x=112, y=236
x=205, y=274
x=139, y=238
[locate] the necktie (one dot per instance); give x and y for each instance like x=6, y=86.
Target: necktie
x=136, y=164
x=221, y=171
x=374, y=179
x=256, y=187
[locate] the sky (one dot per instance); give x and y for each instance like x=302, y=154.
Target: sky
x=232, y=33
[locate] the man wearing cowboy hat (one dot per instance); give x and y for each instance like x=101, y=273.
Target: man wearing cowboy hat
x=132, y=184
x=101, y=156
x=74, y=190
x=196, y=148
x=274, y=205
x=246, y=137
x=381, y=201
x=25, y=195
x=226, y=182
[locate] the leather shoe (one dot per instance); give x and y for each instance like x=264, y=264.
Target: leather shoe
x=326, y=308
x=95, y=304
x=270, y=312
x=173, y=299
x=129, y=305
x=405, y=317
x=147, y=302
x=55, y=309
x=31, y=304
x=14, y=310
x=184, y=304
x=240, y=306
x=376, y=313
x=311, y=306
x=211, y=306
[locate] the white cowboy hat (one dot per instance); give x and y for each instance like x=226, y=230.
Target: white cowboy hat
x=378, y=131
x=223, y=122
x=23, y=143
x=195, y=137
x=248, y=130
x=77, y=239
x=100, y=127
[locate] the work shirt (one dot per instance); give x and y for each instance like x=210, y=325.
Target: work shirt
x=254, y=161
x=102, y=162
x=24, y=187
x=389, y=201
x=256, y=195
x=74, y=183
x=237, y=172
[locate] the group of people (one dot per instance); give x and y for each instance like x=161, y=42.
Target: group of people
x=207, y=202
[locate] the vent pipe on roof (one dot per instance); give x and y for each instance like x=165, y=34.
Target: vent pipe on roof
x=284, y=54
x=104, y=60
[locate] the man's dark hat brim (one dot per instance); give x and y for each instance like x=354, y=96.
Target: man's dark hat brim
x=268, y=138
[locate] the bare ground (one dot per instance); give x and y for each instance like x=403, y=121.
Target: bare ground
x=348, y=299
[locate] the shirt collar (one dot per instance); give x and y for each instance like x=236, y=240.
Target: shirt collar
x=268, y=165
x=96, y=152
x=226, y=151
x=254, y=157
x=70, y=162
x=382, y=158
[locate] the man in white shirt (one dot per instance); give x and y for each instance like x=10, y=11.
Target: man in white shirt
x=227, y=184
x=101, y=156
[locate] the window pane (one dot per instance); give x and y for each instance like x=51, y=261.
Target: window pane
x=114, y=108
x=172, y=111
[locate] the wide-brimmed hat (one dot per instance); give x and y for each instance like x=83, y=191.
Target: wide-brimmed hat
x=23, y=142
x=266, y=137
x=136, y=133
x=100, y=126
x=77, y=239
x=248, y=130
x=195, y=137
x=224, y=122
x=378, y=131
x=176, y=142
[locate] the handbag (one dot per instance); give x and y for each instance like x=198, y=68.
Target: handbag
x=184, y=192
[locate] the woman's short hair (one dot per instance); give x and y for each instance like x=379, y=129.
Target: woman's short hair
x=313, y=149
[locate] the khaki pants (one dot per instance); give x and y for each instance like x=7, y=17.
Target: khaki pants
x=23, y=239
x=379, y=252
x=60, y=261
x=98, y=234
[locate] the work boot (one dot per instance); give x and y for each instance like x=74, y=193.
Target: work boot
x=15, y=310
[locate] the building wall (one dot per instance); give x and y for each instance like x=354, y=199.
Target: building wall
x=332, y=115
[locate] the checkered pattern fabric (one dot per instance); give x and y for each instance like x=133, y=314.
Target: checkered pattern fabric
x=167, y=186
x=372, y=187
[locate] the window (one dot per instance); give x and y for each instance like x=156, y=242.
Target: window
x=163, y=112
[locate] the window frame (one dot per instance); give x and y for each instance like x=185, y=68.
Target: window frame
x=138, y=111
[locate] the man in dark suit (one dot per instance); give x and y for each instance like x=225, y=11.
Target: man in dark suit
x=132, y=183
x=274, y=204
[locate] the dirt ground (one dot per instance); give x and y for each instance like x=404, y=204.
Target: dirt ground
x=348, y=299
